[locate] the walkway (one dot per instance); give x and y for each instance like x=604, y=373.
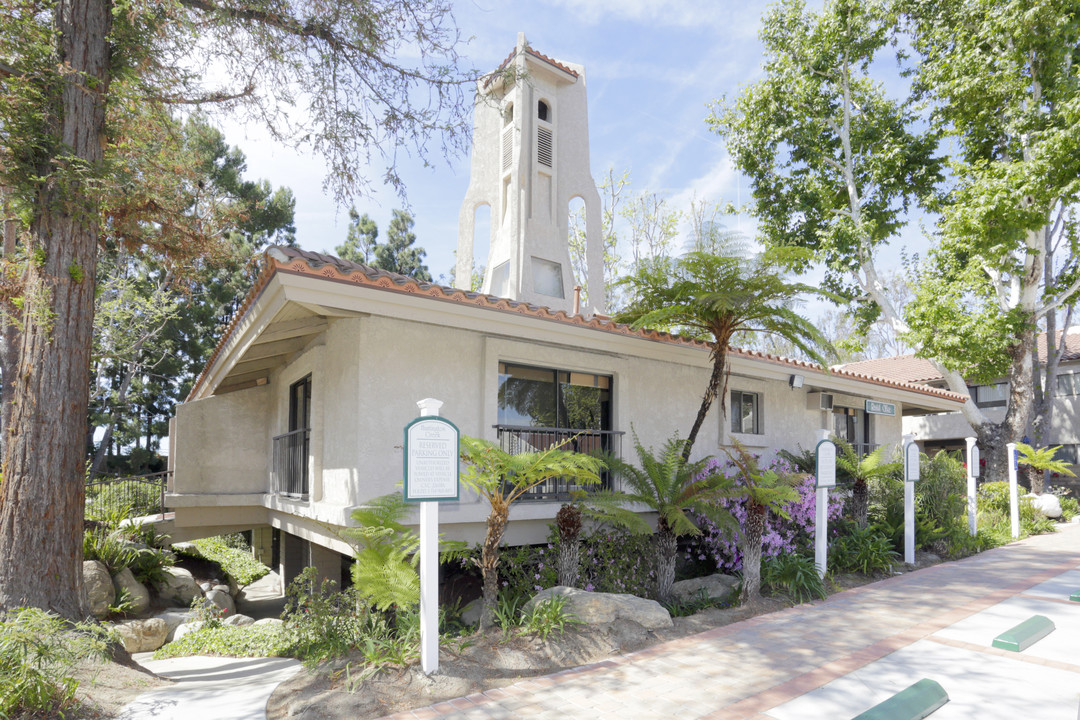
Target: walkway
x=836, y=658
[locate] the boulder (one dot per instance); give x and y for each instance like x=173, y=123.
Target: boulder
x=174, y=618
x=269, y=621
x=594, y=608
x=222, y=601
x=136, y=591
x=716, y=587
x=1048, y=504
x=222, y=588
x=470, y=614
x=177, y=586
x=239, y=620
x=186, y=629
x=142, y=635
x=99, y=589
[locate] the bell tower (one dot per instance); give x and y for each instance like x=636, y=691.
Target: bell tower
x=530, y=159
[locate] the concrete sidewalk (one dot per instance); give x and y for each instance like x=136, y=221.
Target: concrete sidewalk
x=841, y=656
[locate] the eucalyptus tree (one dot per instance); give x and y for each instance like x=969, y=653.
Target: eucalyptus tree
x=835, y=163
x=715, y=292
x=85, y=86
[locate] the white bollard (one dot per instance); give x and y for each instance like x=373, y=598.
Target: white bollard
x=911, y=475
x=429, y=568
x=1014, y=499
x=972, y=474
x=826, y=478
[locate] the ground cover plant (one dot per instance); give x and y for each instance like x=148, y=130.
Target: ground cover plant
x=236, y=562
x=38, y=652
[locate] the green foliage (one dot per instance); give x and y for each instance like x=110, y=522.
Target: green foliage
x=864, y=550
x=38, y=653
x=238, y=564
x=321, y=623
x=941, y=493
x=119, y=549
x=397, y=254
x=508, y=610
x=794, y=575
x=546, y=617
x=992, y=501
x=697, y=603
x=385, y=572
x=229, y=641
x=994, y=496
x=1070, y=508
x=1042, y=459
x=128, y=500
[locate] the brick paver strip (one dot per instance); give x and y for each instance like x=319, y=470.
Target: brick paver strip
x=741, y=671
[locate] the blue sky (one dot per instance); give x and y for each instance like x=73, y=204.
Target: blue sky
x=652, y=69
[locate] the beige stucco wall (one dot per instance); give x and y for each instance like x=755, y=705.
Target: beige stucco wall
x=221, y=443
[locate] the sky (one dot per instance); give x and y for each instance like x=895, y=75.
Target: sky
x=653, y=68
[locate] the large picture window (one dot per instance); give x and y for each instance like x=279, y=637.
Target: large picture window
x=548, y=398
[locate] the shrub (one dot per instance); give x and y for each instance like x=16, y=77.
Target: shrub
x=546, y=617
x=229, y=641
x=118, y=549
x=941, y=493
x=864, y=550
x=240, y=565
x=794, y=575
x=1070, y=508
x=38, y=651
x=321, y=622
x=782, y=536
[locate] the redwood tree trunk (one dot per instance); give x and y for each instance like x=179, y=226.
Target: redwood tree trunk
x=41, y=518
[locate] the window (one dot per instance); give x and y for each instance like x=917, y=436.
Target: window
x=508, y=114
x=746, y=412
x=547, y=398
x=1069, y=454
x=547, y=278
x=291, y=450
x=300, y=405
x=1068, y=384
x=994, y=395
x=543, y=112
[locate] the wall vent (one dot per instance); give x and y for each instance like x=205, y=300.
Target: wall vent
x=507, y=148
x=543, y=146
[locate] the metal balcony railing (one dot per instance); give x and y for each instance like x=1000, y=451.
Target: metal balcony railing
x=520, y=439
x=138, y=495
x=289, y=475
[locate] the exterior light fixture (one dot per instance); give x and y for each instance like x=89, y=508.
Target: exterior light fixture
x=796, y=381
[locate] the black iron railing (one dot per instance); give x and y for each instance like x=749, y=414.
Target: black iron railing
x=520, y=439
x=135, y=495
x=289, y=475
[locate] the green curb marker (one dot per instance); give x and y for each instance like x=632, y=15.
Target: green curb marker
x=1075, y=597
x=913, y=703
x=1024, y=635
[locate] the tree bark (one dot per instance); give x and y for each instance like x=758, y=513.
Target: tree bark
x=9, y=331
x=489, y=564
x=711, y=391
x=41, y=518
x=666, y=554
x=751, y=551
x=860, y=502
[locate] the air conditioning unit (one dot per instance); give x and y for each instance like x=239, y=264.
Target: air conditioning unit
x=819, y=401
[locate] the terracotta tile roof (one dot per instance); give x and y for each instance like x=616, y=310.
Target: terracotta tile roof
x=911, y=369
x=295, y=261
x=539, y=56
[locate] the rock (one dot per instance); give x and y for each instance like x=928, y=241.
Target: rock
x=716, y=587
x=174, y=618
x=178, y=586
x=269, y=621
x=470, y=614
x=99, y=589
x=239, y=620
x=593, y=608
x=142, y=635
x=234, y=589
x=138, y=595
x=222, y=588
x=186, y=629
x=222, y=601
x=1049, y=505
x=206, y=587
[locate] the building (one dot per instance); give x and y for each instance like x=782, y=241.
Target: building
x=948, y=430
x=298, y=417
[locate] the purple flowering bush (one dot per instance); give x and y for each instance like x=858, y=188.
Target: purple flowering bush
x=782, y=536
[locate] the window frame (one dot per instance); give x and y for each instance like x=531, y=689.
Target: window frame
x=736, y=415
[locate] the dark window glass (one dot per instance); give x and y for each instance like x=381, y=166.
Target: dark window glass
x=542, y=111
x=542, y=397
x=300, y=405
x=746, y=412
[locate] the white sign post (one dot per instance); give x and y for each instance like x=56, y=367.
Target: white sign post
x=826, y=478
x=911, y=475
x=972, y=474
x=431, y=475
x=1014, y=499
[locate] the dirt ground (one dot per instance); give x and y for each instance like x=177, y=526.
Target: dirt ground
x=337, y=691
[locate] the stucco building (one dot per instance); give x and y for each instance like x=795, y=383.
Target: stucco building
x=298, y=417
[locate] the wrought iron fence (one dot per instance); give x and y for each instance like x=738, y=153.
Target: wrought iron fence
x=136, y=495
x=289, y=475
x=520, y=439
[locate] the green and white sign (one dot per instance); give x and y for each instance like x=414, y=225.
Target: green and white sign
x=431, y=460
x=876, y=407
x=826, y=463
